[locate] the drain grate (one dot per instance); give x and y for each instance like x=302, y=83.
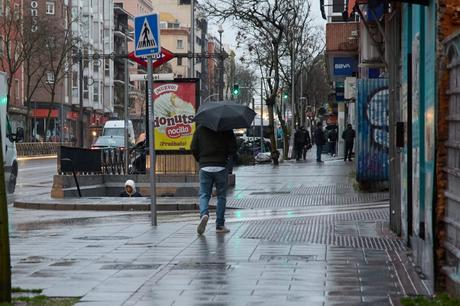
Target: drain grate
x=131, y=267
x=34, y=259
x=269, y=192
x=321, y=230
x=288, y=257
x=310, y=200
x=103, y=238
x=64, y=263
x=201, y=266
x=328, y=189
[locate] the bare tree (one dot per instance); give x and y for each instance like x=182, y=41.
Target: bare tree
x=13, y=51
x=59, y=46
x=303, y=42
x=245, y=77
x=35, y=63
x=261, y=23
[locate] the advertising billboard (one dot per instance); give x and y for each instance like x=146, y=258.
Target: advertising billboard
x=175, y=105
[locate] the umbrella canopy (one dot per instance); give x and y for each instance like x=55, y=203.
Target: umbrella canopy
x=224, y=116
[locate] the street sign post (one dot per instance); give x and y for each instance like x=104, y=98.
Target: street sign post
x=147, y=44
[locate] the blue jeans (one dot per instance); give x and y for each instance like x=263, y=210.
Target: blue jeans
x=207, y=180
x=319, y=150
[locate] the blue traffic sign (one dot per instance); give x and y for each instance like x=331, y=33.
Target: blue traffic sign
x=147, y=35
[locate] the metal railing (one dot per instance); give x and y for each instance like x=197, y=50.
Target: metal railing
x=110, y=161
x=34, y=149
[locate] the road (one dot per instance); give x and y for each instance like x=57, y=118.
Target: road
x=35, y=177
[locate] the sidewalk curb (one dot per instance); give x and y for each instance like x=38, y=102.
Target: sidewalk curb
x=110, y=204
x=22, y=158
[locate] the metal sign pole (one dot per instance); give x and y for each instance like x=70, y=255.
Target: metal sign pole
x=153, y=193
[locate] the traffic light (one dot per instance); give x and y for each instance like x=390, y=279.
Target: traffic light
x=236, y=89
x=285, y=95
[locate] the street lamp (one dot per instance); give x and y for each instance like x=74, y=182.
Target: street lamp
x=221, y=70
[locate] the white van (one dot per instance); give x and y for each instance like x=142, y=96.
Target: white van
x=10, y=162
x=113, y=135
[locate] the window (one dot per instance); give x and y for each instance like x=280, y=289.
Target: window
x=50, y=8
x=179, y=61
x=85, y=87
x=1, y=45
x=49, y=77
x=75, y=84
x=16, y=11
x=338, y=6
x=107, y=67
x=180, y=44
x=96, y=92
x=16, y=87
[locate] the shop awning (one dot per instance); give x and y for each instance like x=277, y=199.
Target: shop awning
x=43, y=113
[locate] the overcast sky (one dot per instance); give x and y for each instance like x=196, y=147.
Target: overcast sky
x=229, y=35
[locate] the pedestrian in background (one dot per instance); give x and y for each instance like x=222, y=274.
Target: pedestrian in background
x=299, y=143
x=332, y=137
x=212, y=150
x=320, y=140
x=349, y=136
x=307, y=141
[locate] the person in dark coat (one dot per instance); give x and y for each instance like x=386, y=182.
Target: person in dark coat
x=299, y=143
x=307, y=140
x=332, y=137
x=212, y=150
x=130, y=190
x=320, y=140
x=349, y=136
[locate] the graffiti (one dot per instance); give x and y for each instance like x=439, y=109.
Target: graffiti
x=373, y=131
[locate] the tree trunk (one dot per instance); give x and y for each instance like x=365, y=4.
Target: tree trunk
x=271, y=121
x=48, y=121
x=27, y=131
x=5, y=264
x=9, y=83
x=279, y=113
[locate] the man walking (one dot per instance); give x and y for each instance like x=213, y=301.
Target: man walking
x=299, y=143
x=349, y=136
x=332, y=136
x=212, y=150
x=307, y=141
x=320, y=140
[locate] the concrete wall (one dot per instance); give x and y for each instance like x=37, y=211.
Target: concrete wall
x=170, y=185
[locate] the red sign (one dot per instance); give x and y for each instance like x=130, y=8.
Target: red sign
x=43, y=113
x=164, y=57
x=72, y=116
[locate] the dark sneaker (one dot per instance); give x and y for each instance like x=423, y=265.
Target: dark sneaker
x=222, y=229
x=202, y=226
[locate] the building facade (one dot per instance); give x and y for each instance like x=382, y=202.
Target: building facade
x=415, y=45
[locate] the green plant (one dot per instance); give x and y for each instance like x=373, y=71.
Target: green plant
x=22, y=290
x=440, y=300
x=41, y=300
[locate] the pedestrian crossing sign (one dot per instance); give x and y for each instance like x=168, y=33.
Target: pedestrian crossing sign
x=147, y=35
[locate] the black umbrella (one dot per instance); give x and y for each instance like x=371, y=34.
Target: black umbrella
x=224, y=116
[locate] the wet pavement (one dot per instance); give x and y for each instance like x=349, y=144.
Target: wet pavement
x=303, y=237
